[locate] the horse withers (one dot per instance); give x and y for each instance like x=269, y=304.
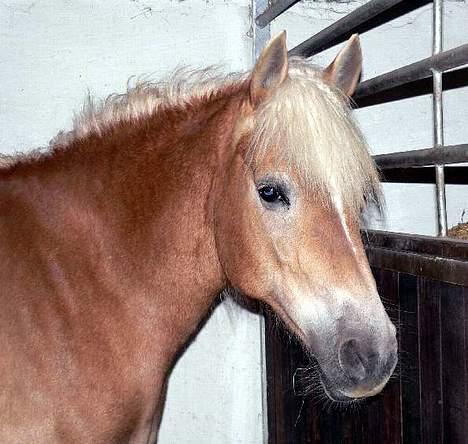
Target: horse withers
x=117, y=240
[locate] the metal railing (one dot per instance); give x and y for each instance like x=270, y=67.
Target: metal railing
x=342, y=29
x=453, y=58
x=363, y=18
x=423, y=157
x=272, y=11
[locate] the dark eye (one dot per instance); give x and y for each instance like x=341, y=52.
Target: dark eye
x=272, y=194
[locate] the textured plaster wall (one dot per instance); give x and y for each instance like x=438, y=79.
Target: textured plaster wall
x=51, y=53
x=406, y=124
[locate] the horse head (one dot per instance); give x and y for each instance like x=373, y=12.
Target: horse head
x=287, y=216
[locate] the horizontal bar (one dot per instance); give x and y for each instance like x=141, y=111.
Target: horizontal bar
x=443, y=61
x=454, y=175
x=274, y=10
x=417, y=243
x=443, y=259
x=452, y=271
x=342, y=28
x=424, y=157
x=457, y=78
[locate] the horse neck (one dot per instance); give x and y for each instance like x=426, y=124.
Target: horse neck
x=136, y=209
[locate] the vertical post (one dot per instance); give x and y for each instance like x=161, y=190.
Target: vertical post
x=260, y=37
x=438, y=116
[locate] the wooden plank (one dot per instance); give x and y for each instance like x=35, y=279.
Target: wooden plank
x=442, y=247
x=274, y=368
x=371, y=423
x=430, y=360
x=454, y=378
x=465, y=297
x=409, y=360
x=331, y=427
x=449, y=270
x=292, y=418
x=388, y=426
x=277, y=368
x=444, y=259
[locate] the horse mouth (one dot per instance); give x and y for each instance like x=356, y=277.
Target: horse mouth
x=352, y=396
x=334, y=395
x=312, y=380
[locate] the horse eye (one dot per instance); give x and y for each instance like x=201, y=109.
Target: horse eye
x=272, y=195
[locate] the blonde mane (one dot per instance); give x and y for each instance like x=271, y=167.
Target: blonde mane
x=144, y=99
x=307, y=121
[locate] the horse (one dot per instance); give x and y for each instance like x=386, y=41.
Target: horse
x=117, y=240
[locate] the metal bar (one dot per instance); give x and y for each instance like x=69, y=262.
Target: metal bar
x=454, y=175
x=423, y=157
x=444, y=61
x=342, y=29
x=260, y=35
x=273, y=11
x=438, y=116
x=455, y=78
x=260, y=38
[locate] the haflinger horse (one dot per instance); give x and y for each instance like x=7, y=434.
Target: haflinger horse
x=116, y=242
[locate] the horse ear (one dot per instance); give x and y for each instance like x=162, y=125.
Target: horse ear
x=345, y=71
x=270, y=71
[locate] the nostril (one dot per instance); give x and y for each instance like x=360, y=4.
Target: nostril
x=353, y=360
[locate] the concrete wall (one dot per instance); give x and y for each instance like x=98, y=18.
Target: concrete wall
x=52, y=52
x=402, y=125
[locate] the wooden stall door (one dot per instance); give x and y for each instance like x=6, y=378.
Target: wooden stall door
x=425, y=402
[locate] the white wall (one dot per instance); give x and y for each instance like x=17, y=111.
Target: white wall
x=406, y=124
x=52, y=52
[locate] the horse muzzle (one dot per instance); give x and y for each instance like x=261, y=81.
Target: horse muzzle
x=361, y=369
